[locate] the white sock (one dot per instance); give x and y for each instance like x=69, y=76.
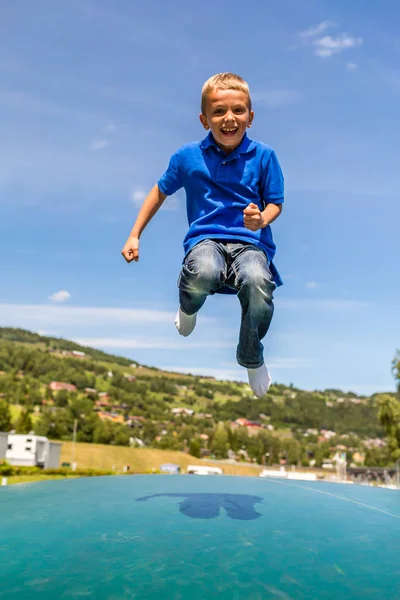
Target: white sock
x=185, y=323
x=259, y=380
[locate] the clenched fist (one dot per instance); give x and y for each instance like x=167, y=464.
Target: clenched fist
x=130, y=251
x=253, y=218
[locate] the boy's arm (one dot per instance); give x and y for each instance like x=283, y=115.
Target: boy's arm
x=149, y=208
x=255, y=219
x=270, y=213
x=272, y=186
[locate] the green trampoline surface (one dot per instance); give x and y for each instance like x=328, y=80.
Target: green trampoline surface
x=189, y=537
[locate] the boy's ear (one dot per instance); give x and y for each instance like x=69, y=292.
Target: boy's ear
x=204, y=121
x=251, y=117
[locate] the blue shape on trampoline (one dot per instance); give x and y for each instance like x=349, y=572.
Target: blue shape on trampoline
x=207, y=506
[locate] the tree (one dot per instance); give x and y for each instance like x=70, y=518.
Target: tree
x=24, y=422
x=61, y=398
x=389, y=416
x=396, y=368
x=55, y=425
x=122, y=435
x=195, y=447
x=86, y=427
x=220, y=445
x=5, y=416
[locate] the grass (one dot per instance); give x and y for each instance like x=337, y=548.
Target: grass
x=141, y=460
x=31, y=478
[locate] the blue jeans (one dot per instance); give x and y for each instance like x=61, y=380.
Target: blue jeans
x=211, y=265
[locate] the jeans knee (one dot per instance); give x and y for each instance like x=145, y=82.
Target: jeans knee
x=204, y=274
x=258, y=282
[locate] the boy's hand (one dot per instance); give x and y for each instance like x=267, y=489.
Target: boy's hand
x=253, y=218
x=130, y=251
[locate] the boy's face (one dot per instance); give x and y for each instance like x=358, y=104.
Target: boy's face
x=227, y=114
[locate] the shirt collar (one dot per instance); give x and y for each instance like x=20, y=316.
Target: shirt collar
x=245, y=146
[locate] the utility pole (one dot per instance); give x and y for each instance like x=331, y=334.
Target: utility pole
x=73, y=443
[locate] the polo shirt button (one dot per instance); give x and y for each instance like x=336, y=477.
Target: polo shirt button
x=224, y=163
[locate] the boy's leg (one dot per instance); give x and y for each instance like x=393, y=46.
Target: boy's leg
x=254, y=282
x=203, y=273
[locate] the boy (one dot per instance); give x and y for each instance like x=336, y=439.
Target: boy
x=234, y=191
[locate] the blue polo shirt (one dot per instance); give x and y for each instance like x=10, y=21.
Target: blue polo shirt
x=218, y=188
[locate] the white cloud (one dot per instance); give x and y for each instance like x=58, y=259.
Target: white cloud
x=238, y=374
x=233, y=372
x=156, y=343
x=280, y=363
x=314, y=30
x=351, y=66
x=138, y=197
x=327, y=46
x=60, y=296
x=290, y=363
x=111, y=128
x=276, y=98
x=40, y=316
x=98, y=144
x=311, y=285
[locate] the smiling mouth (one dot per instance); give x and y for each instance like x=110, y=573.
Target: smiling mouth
x=229, y=131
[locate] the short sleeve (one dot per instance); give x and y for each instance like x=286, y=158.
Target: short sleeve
x=171, y=181
x=272, y=182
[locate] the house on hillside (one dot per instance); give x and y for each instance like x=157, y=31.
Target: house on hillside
x=74, y=353
x=99, y=404
x=253, y=427
x=374, y=443
x=326, y=435
x=32, y=451
x=358, y=458
x=182, y=411
x=90, y=391
x=57, y=386
x=129, y=377
x=78, y=354
x=203, y=416
x=355, y=400
x=114, y=417
x=136, y=442
x=133, y=420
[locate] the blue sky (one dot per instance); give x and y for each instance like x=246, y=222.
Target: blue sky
x=95, y=96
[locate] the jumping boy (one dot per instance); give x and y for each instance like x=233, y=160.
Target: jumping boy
x=234, y=191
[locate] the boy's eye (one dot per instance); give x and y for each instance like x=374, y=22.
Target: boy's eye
x=240, y=110
x=218, y=111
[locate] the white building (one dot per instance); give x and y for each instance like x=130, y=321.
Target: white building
x=32, y=451
x=204, y=470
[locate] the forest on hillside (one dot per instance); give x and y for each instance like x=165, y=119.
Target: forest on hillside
x=115, y=400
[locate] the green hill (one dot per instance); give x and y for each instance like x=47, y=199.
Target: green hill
x=118, y=401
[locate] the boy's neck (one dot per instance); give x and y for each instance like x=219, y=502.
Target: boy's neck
x=228, y=150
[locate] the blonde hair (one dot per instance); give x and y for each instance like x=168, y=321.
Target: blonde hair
x=224, y=81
